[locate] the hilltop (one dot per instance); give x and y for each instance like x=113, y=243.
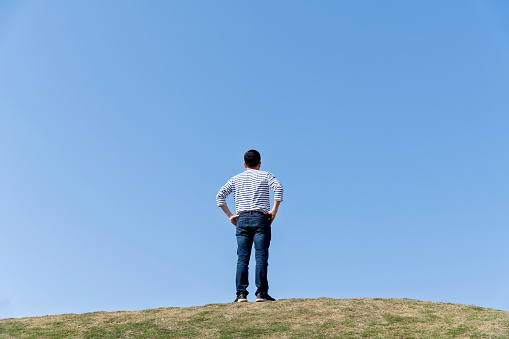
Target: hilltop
x=288, y=318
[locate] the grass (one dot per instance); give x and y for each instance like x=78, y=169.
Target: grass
x=289, y=318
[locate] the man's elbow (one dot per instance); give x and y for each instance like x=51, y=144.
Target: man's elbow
x=278, y=195
x=220, y=201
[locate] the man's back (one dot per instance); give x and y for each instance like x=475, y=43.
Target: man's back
x=251, y=191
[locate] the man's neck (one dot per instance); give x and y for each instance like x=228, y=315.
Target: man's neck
x=257, y=167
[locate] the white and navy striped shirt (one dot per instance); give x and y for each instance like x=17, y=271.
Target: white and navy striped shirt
x=251, y=191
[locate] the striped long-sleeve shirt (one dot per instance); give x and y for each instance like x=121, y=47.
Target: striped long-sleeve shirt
x=251, y=191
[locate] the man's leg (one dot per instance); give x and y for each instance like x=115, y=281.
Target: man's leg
x=262, y=242
x=244, y=244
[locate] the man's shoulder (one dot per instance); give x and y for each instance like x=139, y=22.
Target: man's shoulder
x=238, y=176
x=267, y=173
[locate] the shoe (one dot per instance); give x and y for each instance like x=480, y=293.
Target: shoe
x=241, y=297
x=263, y=296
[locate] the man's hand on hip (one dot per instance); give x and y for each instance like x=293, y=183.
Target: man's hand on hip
x=274, y=211
x=233, y=219
x=272, y=215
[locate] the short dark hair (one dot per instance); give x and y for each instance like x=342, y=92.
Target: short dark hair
x=252, y=158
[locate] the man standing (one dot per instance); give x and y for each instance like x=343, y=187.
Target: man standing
x=253, y=219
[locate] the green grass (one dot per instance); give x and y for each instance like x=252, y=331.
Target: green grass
x=290, y=318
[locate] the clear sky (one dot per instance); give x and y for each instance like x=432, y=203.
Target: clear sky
x=386, y=122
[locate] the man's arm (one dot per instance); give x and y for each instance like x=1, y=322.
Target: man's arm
x=274, y=210
x=275, y=186
x=229, y=214
x=221, y=201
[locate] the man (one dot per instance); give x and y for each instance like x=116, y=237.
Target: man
x=253, y=221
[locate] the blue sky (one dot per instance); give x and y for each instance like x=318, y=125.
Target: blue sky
x=387, y=124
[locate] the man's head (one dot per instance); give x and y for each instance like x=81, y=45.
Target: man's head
x=252, y=159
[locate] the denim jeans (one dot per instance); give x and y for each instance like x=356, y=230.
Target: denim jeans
x=253, y=228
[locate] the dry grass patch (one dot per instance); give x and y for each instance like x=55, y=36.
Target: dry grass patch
x=290, y=318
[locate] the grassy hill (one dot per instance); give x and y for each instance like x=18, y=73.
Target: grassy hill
x=289, y=318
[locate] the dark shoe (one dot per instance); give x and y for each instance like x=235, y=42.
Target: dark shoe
x=263, y=296
x=241, y=297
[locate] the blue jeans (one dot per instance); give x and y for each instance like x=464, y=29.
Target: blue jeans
x=252, y=228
